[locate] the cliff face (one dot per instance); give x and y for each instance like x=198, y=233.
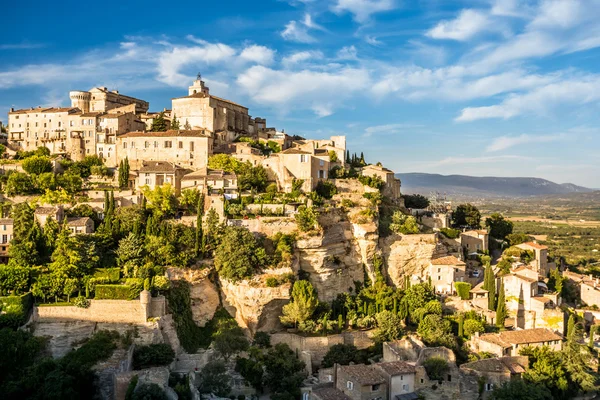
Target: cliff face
x=255, y=306
x=204, y=295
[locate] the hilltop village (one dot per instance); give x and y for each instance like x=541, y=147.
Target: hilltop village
x=197, y=253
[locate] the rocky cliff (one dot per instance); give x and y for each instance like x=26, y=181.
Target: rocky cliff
x=204, y=295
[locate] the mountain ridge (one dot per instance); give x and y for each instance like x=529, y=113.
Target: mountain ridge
x=485, y=186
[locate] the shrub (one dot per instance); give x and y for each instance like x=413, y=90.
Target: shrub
x=272, y=282
x=116, y=292
x=472, y=325
x=436, y=368
x=36, y=165
x=326, y=189
x=404, y=224
x=108, y=275
x=154, y=355
x=450, y=233
x=262, y=340
x=372, y=181
x=415, y=201
x=342, y=354
x=306, y=218
x=81, y=302
x=347, y=203
x=15, y=310
x=463, y=289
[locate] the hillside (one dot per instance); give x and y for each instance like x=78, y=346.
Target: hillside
x=489, y=186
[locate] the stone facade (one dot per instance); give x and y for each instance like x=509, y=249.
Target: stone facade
x=540, y=263
x=392, y=184
x=444, y=271
x=510, y=343
x=6, y=235
x=475, y=241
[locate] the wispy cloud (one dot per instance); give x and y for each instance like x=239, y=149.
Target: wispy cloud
x=363, y=9
x=298, y=31
x=466, y=25
x=506, y=142
x=21, y=46
x=390, y=129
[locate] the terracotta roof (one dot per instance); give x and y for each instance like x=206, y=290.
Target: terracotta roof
x=158, y=166
x=169, y=133
x=43, y=110
x=6, y=221
x=477, y=231
x=363, y=374
x=525, y=336
x=329, y=393
x=396, y=368
x=512, y=365
x=46, y=210
x=523, y=277
x=534, y=245
x=78, y=221
x=448, y=260
x=294, y=150
x=209, y=174
x=91, y=114
x=542, y=299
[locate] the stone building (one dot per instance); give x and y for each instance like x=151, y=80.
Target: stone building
x=297, y=164
x=80, y=225
x=490, y=373
x=361, y=382
x=212, y=181
x=444, y=271
x=6, y=235
x=475, y=241
x=188, y=149
x=400, y=378
x=158, y=173
x=392, y=184
x=510, y=343
x=520, y=286
x=540, y=263
x=42, y=214
x=201, y=110
x=101, y=99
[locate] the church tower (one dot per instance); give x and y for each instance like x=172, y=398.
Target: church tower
x=198, y=86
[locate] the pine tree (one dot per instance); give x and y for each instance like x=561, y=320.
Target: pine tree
x=501, y=308
x=571, y=328
x=159, y=124
x=347, y=156
x=174, y=123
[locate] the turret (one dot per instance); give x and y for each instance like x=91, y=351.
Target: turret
x=80, y=100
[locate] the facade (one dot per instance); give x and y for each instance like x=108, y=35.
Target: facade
x=212, y=181
x=188, y=149
x=158, y=173
x=400, y=377
x=492, y=372
x=101, y=99
x=80, y=225
x=201, y=110
x=475, y=241
x=520, y=287
x=6, y=235
x=541, y=257
x=392, y=184
x=510, y=343
x=42, y=214
x=444, y=272
x=296, y=164
x=361, y=382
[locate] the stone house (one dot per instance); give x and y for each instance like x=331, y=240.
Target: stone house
x=400, y=378
x=325, y=393
x=590, y=291
x=474, y=241
x=540, y=263
x=510, y=343
x=6, y=235
x=361, y=382
x=246, y=153
x=158, y=173
x=297, y=164
x=392, y=184
x=212, y=181
x=189, y=149
x=492, y=373
x=42, y=214
x=337, y=144
x=444, y=271
x=281, y=138
x=520, y=286
x=80, y=225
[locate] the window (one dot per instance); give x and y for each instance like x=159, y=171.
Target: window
x=350, y=385
x=146, y=144
x=401, y=377
x=329, y=378
x=168, y=144
x=124, y=145
x=449, y=378
x=489, y=387
x=132, y=144
x=305, y=396
x=302, y=157
x=147, y=181
x=180, y=144
x=375, y=388
x=191, y=146
x=321, y=163
x=3, y=227
x=155, y=144
x=405, y=388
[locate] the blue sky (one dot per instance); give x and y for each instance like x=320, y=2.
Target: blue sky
x=480, y=87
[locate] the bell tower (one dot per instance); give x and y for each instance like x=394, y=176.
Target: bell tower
x=198, y=86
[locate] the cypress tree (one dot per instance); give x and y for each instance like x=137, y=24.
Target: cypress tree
x=571, y=328
x=348, y=156
x=461, y=320
x=501, y=308
x=591, y=343
x=106, y=203
x=492, y=293
x=174, y=123
x=362, y=159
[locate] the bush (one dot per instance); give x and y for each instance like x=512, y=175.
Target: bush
x=342, y=354
x=154, y=355
x=108, y=275
x=272, y=282
x=116, y=292
x=306, y=218
x=450, y=233
x=81, y=302
x=326, y=189
x=36, y=165
x=463, y=289
x=471, y=326
x=436, y=368
x=15, y=310
x=372, y=181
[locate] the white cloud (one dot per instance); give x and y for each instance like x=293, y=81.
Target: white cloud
x=347, y=53
x=506, y=142
x=560, y=13
x=296, y=32
x=309, y=23
x=319, y=91
x=579, y=90
x=258, y=54
x=389, y=129
x=373, y=41
x=466, y=25
x=512, y=8
x=300, y=57
x=363, y=9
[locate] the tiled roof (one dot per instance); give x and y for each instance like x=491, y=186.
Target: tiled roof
x=542, y=299
x=209, y=174
x=479, y=288
x=329, y=393
x=534, y=245
x=43, y=110
x=363, y=374
x=396, y=368
x=169, y=133
x=525, y=336
x=294, y=150
x=91, y=114
x=45, y=210
x=158, y=166
x=523, y=277
x=78, y=221
x=448, y=260
x=378, y=167
x=512, y=365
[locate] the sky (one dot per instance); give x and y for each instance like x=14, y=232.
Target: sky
x=479, y=87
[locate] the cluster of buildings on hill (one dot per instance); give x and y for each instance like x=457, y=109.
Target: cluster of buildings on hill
x=116, y=127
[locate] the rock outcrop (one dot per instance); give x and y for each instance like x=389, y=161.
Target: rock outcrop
x=204, y=295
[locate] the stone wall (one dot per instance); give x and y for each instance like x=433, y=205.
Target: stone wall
x=318, y=346
x=113, y=311
x=268, y=226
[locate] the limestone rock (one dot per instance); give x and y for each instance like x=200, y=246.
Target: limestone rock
x=204, y=295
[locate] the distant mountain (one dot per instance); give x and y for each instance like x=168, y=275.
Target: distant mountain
x=488, y=186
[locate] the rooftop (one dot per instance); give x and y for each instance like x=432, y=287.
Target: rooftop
x=363, y=374
x=396, y=368
x=294, y=150
x=210, y=174
x=78, y=221
x=535, y=245
x=43, y=110
x=169, y=133
x=201, y=95
x=158, y=166
x=508, y=338
x=6, y=221
x=330, y=393
x=512, y=365
x=46, y=210
x=448, y=260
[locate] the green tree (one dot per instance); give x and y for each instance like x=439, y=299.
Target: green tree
x=70, y=182
x=307, y=218
x=501, y=312
x=284, y=373
x=149, y=391
x=215, y=379
x=130, y=254
x=417, y=201
x=36, y=165
x=14, y=279
x=571, y=328
x=159, y=124
x=489, y=284
x=229, y=338
x=342, y=354
x=518, y=389
x=436, y=331
x=436, y=368
x=18, y=183
x=467, y=215
x=161, y=200
x=124, y=173
x=389, y=327
x=175, y=123
x=187, y=125
x=498, y=226
x=303, y=305
x=404, y=224
x=238, y=255
x=471, y=326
